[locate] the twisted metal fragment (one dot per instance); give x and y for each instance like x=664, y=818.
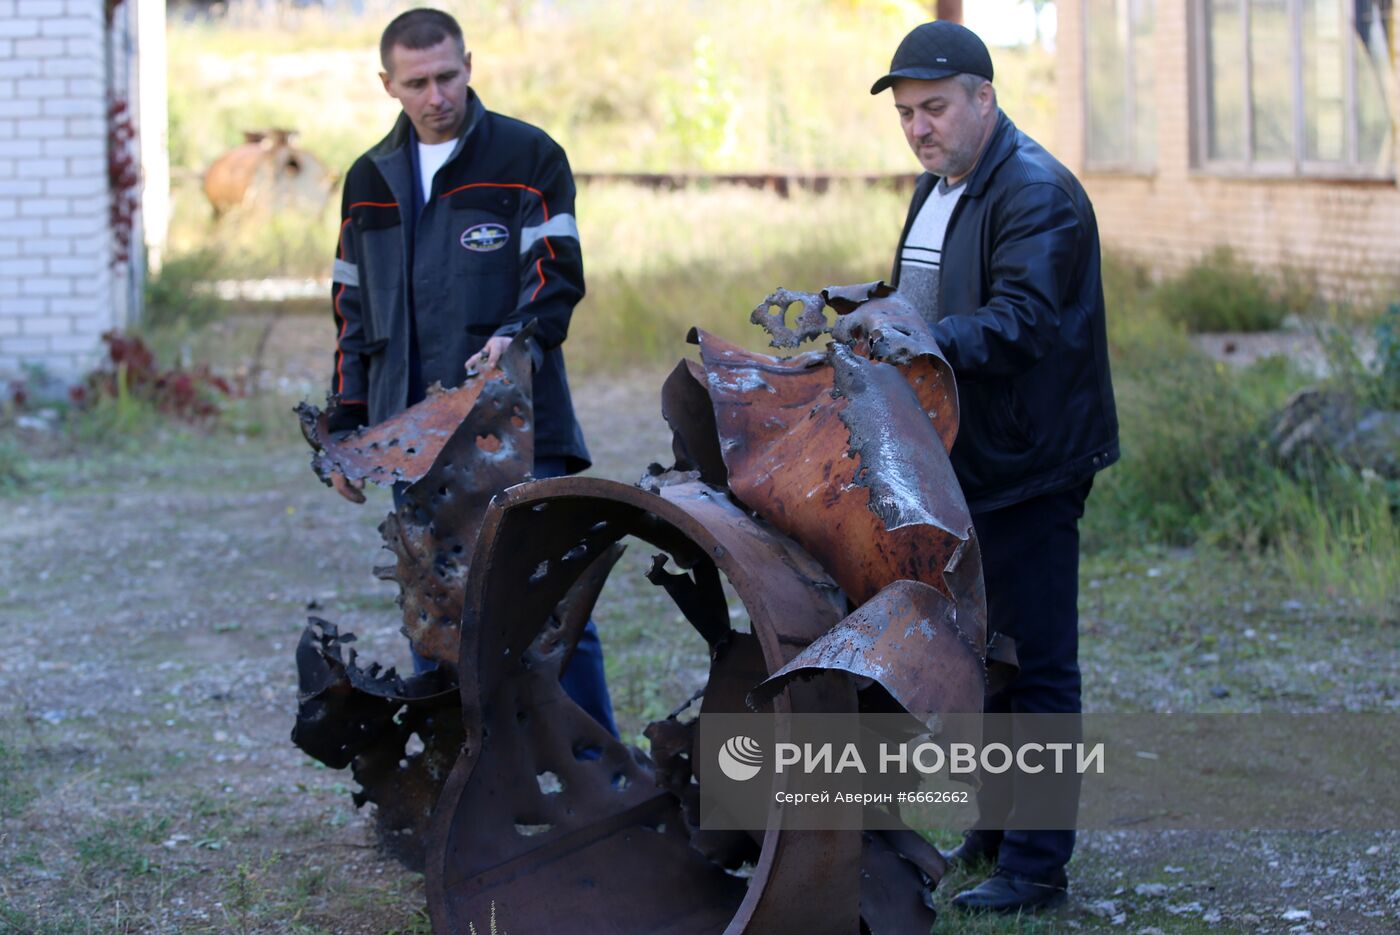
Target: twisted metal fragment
x=771, y=316
x=818, y=488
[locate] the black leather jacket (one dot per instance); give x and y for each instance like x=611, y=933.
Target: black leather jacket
x=1022, y=324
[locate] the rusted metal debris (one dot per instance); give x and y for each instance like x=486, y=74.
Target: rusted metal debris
x=267, y=173
x=818, y=486
x=450, y=454
x=365, y=718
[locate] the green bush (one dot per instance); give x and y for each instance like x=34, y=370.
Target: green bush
x=1198, y=467
x=1387, y=331
x=1222, y=292
x=1190, y=428
x=1375, y=383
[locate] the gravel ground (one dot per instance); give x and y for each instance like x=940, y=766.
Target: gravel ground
x=150, y=601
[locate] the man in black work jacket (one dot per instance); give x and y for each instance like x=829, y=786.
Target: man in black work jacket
x=1000, y=253
x=457, y=230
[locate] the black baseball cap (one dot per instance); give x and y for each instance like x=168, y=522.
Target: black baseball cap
x=940, y=49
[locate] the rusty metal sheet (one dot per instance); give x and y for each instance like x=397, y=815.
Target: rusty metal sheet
x=884, y=327
x=365, y=719
x=906, y=620
x=434, y=529
x=875, y=322
x=608, y=833
x=787, y=429
x=455, y=450
x=404, y=448
x=896, y=882
x=686, y=407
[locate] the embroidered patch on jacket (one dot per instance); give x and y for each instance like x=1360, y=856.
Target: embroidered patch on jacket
x=485, y=237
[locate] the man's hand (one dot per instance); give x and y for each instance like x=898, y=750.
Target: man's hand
x=351, y=490
x=489, y=355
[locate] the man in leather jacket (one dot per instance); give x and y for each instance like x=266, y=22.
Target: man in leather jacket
x=1000, y=253
x=457, y=231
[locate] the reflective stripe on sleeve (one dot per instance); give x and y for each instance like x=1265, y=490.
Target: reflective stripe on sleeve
x=346, y=274
x=561, y=225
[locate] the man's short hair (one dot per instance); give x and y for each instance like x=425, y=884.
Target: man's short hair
x=973, y=83
x=419, y=29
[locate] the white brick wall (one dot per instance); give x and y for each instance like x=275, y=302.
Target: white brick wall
x=56, y=295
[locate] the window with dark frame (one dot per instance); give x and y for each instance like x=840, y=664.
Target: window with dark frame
x=1294, y=87
x=1119, y=86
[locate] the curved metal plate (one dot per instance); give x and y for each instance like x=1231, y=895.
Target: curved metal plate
x=500, y=839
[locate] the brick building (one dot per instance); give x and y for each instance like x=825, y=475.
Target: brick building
x=71, y=250
x=1267, y=125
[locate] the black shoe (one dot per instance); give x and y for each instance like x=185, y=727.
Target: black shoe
x=1006, y=892
x=976, y=847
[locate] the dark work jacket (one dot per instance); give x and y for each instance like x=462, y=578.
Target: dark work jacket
x=494, y=246
x=1022, y=322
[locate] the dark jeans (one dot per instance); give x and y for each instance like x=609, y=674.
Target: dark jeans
x=1030, y=560
x=583, y=678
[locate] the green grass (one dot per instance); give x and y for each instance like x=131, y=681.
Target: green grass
x=623, y=85
x=660, y=263
x=1343, y=539
x=122, y=846
x=628, y=86
x=14, y=466
x=16, y=791
x=175, y=296
x=16, y=920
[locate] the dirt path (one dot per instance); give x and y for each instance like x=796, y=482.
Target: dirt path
x=150, y=602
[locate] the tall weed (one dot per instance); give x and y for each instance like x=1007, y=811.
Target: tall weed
x=1223, y=292
x=1345, y=541
x=14, y=465
x=1198, y=465
x=178, y=297
x=1373, y=382
x=1188, y=425
x=659, y=263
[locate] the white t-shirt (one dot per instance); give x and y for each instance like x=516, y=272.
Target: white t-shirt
x=921, y=260
x=431, y=156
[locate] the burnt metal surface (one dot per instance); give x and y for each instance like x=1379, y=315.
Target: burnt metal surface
x=817, y=486
x=771, y=316
x=404, y=448
x=905, y=620
x=686, y=407
x=450, y=454
x=366, y=719
x=811, y=483
x=836, y=450
x=884, y=327
x=611, y=833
